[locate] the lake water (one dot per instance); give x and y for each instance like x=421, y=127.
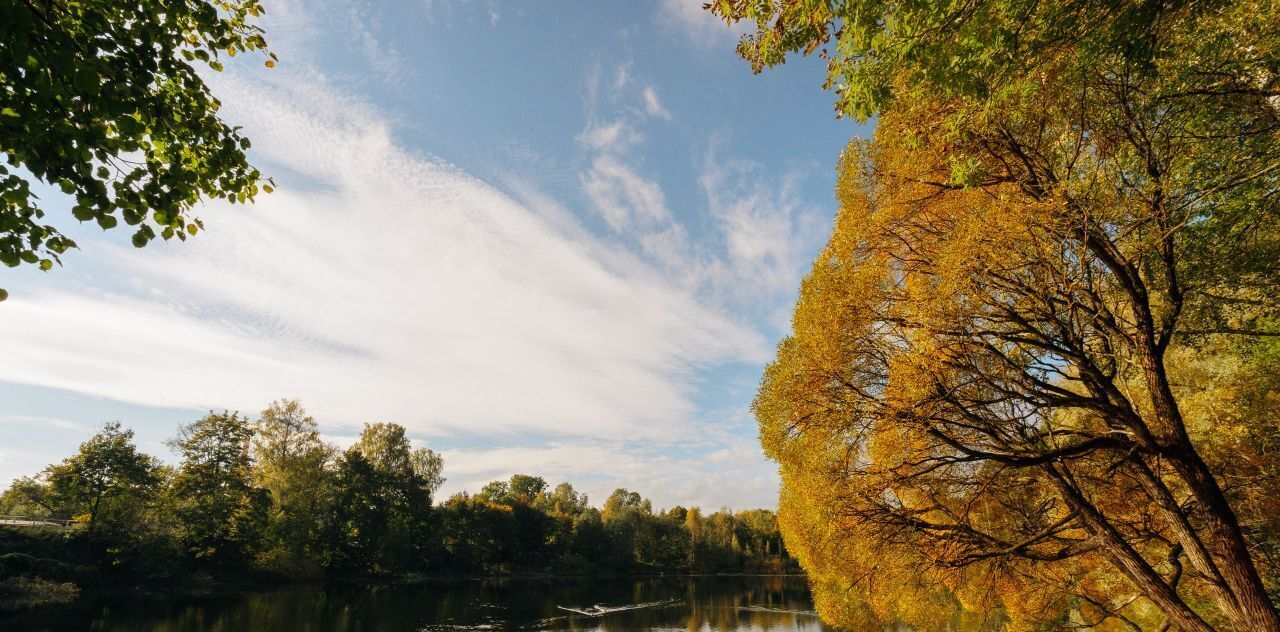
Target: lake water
x=690, y=604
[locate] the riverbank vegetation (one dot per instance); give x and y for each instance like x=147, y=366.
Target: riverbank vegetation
x=268, y=499
x=1035, y=369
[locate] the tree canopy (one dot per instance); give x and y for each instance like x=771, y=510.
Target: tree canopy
x=995, y=49
x=104, y=100
x=220, y=512
x=267, y=497
x=988, y=402
x=104, y=482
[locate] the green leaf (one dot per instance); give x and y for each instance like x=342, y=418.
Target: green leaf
x=129, y=126
x=86, y=80
x=4, y=294
x=82, y=212
x=107, y=81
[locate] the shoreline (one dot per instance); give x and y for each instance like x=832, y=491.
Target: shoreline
x=221, y=588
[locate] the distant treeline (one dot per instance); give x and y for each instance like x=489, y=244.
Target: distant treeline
x=268, y=498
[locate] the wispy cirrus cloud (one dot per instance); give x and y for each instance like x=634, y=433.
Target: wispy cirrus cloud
x=377, y=284
x=516, y=324
x=699, y=26
x=612, y=136
x=762, y=230
x=45, y=422
x=767, y=229
x=705, y=476
x=653, y=105
x=626, y=199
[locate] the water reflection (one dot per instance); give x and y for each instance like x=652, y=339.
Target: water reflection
x=702, y=604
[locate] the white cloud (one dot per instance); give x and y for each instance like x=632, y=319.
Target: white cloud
x=616, y=131
x=378, y=284
x=609, y=137
x=381, y=284
x=450, y=12
x=633, y=205
x=708, y=477
x=381, y=56
x=296, y=30
x=621, y=77
x=45, y=422
x=762, y=233
x=700, y=27
x=653, y=105
x=768, y=231
x=622, y=196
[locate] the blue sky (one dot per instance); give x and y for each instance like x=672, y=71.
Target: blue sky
x=559, y=238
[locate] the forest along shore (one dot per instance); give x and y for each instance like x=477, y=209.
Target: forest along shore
x=292, y=508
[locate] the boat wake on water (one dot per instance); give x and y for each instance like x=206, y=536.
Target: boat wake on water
x=599, y=610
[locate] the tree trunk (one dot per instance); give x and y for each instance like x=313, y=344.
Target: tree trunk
x=1248, y=605
x=1251, y=610
x=1127, y=560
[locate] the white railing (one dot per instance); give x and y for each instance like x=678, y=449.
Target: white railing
x=31, y=521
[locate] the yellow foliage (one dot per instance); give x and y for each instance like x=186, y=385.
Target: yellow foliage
x=941, y=413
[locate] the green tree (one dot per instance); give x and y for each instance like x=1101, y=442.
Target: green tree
x=103, y=100
x=497, y=492
x=695, y=526
x=628, y=520
x=382, y=516
x=221, y=514
x=428, y=466
x=564, y=500
x=106, y=476
x=526, y=489
x=291, y=462
x=563, y=505
x=358, y=517
x=591, y=540
x=531, y=531
x=386, y=447
x=478, y=535
x=994, y=50
x=27, y=496
x=623, y=502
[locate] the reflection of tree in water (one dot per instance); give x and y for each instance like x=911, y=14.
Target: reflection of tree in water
x=697, y=604
x=720, y=604
x=752, y=603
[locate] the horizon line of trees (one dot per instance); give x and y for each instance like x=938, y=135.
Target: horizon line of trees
x=268, y=496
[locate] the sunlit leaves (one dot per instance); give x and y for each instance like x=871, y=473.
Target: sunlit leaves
x=979, y=351
x=221, y=513
x=103, y=100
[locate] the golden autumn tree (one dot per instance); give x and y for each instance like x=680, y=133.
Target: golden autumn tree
x=1023, y=373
